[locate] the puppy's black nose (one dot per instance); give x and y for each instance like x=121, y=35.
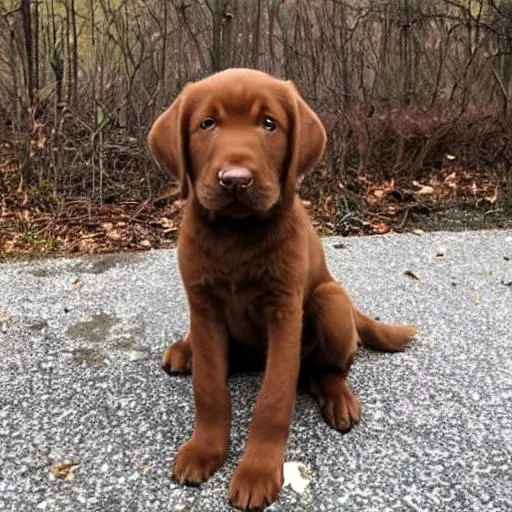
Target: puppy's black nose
x=235, y=177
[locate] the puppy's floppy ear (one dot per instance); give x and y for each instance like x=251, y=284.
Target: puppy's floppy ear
x=168, y=139
x=306, y=142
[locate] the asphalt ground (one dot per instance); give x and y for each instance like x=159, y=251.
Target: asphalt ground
x=80, y=380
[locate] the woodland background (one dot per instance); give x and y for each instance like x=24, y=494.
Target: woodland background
x=416, y=98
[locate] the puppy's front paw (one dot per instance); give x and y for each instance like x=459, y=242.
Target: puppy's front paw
x=254, y=486
x=195, y=464
x=177, y=357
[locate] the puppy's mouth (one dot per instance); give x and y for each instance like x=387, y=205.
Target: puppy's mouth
x=240, y=203
x=237, y=208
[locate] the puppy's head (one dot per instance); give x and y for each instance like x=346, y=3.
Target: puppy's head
x=238, y=141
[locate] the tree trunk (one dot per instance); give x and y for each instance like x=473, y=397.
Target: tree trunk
x=74, y=60
x=222, y=17
x=256, y=36
x=36, y=45
x=29, y=56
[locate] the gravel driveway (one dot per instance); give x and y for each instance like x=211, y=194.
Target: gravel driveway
x=80, y=381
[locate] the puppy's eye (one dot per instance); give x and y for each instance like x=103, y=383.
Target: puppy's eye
x=268, y=123
x=208, y=122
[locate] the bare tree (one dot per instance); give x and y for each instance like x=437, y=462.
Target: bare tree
x=396, y=81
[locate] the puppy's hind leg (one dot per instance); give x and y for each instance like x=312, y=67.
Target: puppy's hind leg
x=177, y=357
x=331, y=313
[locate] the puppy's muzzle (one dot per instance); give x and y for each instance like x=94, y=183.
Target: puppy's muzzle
x=233, y=178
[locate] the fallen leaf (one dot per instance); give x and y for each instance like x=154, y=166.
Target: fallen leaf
x=418, y=232
x=4, y=317
x=423, y=189
x=25, y=216
x=166, y=223
x=65, y=469
x=297, y=476
x=143, y=466
x=380, y=228
x=430, y=346
x=114, y=235
x=86, y=245
x=411, y=274
x=492, y=199
x=451, y=180
x=9, y=245
x=77, y=284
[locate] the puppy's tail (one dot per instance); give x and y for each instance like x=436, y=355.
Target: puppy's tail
x=382, y=336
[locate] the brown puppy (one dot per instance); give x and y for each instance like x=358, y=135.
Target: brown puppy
x=255, y=274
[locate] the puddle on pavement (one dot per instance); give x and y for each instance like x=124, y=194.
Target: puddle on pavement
x=138, y=354
x=133, y=335
x=42, y=272
x=125, y=342
x=90, y=265
x=100, y=264
x=88, y=356
x=96, y=329
x=128, y=342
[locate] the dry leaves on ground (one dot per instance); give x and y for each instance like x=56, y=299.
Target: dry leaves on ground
x=412, y=275
x=65, y=469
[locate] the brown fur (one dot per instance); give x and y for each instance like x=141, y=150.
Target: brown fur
x=255, y=275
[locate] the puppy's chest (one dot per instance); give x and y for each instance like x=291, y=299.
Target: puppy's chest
x=243, y=284
x=245, y=305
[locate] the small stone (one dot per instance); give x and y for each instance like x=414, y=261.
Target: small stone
x=38, y=325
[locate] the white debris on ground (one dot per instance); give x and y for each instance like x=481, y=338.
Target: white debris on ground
x=297, y=476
